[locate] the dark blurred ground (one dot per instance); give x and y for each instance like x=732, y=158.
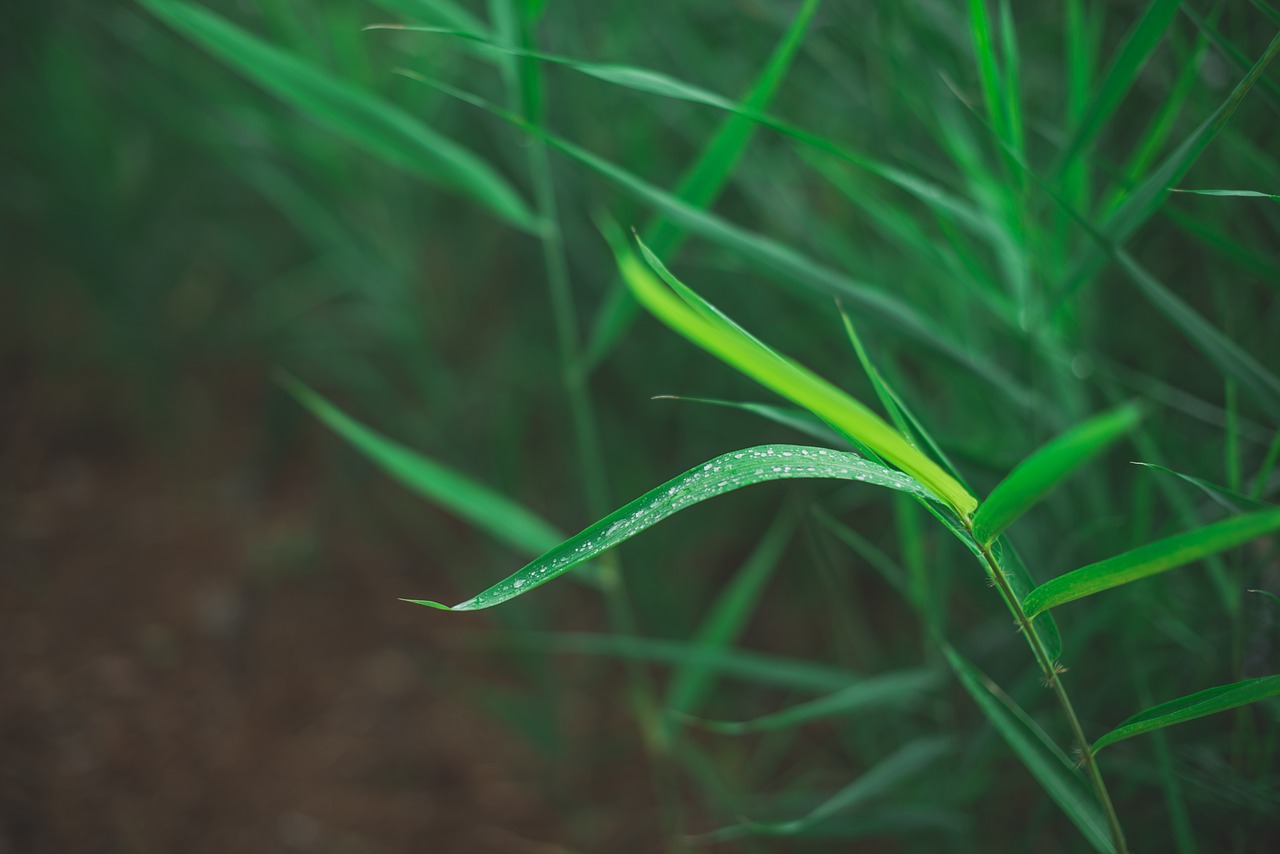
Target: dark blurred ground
x=194, y=662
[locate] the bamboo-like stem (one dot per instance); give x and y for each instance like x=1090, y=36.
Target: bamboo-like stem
x=1054, y=680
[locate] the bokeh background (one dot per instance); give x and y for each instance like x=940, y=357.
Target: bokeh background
x=202, y=646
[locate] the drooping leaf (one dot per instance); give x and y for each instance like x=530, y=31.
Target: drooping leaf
x=1253, y=194
x=365, y=119
x=1038, y=474
x=722, y=474
x=1153, y=558
x=1197, y=705
x=1234, y=501
x=796, y=419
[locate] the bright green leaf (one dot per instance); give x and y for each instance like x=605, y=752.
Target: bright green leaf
x=1188, y=708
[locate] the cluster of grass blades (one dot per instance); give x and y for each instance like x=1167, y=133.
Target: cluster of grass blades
x=1008, y=242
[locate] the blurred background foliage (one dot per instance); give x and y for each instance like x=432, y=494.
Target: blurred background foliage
x=174, y=232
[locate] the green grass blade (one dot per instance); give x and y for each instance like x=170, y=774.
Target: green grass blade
x=1048, y=765
x=900, y=690
x=1188, y=708
x=1021, y=583
x=795, y=419
x=743, y=665
x=1153, y=558
x=1251, y=194
x=726, y=341
x=1234, y=501
x=907, y=762
x=487, y=510
x=1134, y=53
x=717, y=476
x=729, y=614
x=363, y=118
x=1038, y=474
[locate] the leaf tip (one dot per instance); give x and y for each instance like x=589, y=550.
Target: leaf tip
x=430, y=604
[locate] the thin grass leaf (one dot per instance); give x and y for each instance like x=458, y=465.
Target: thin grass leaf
x=1040, y=473
x=900, y=690
x=1267, y=593
x=379, y=127
x=709, y=329
x=1188, y=708
x=1151, y=559
x=717, y=476
x=486, y=509
x=795, y=419
x=1021, y=583
x=1048, y=765
x=1134, y=53
x=1253, y=194
x=1234, y=501
x=909, y=761
x=744, y=665
x=730, y=613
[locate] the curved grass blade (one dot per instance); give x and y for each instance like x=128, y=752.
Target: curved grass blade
x=717, y=476
x=1267, y=593
x=909, y=761
x=1234, y=501
x=378, y=126
x=694, y=318
x=1051, y=768
x=900, y=690
x=483, y=507
x=796, y=419
x=1153, y=558
x=1188, y=708
x=1038, y=474
x=741, y=664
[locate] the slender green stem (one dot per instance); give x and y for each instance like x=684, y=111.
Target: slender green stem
x=1054, y=680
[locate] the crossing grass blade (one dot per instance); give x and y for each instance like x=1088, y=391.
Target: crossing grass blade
x=717, y=476
x=900, y=690
x=377, y=126
x=483, y=507
x=907, y=762
x=681, y=309
x=729, y=614
x=1055, y=773
x=1151, y=559
x=1197, y=705
x=1132, y=56
x=1040, y=473
x=725, y=662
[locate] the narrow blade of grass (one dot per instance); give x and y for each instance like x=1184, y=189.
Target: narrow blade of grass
x=900, y=690
x=486, y=509
x=709, y=329
x=743, y=665
x=1234, y=501
x=1048, y=765
x=1197, y=705
x=377, y=126
x=1021, y=583
x=1134, y=53
x=1250, y=194
x=717, y=476
x=907, y=762
x=1151, y=559
x=730, y=613
x=795, y=419
x=1038, y=474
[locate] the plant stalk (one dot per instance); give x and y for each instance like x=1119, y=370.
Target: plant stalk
x=1053, y=679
